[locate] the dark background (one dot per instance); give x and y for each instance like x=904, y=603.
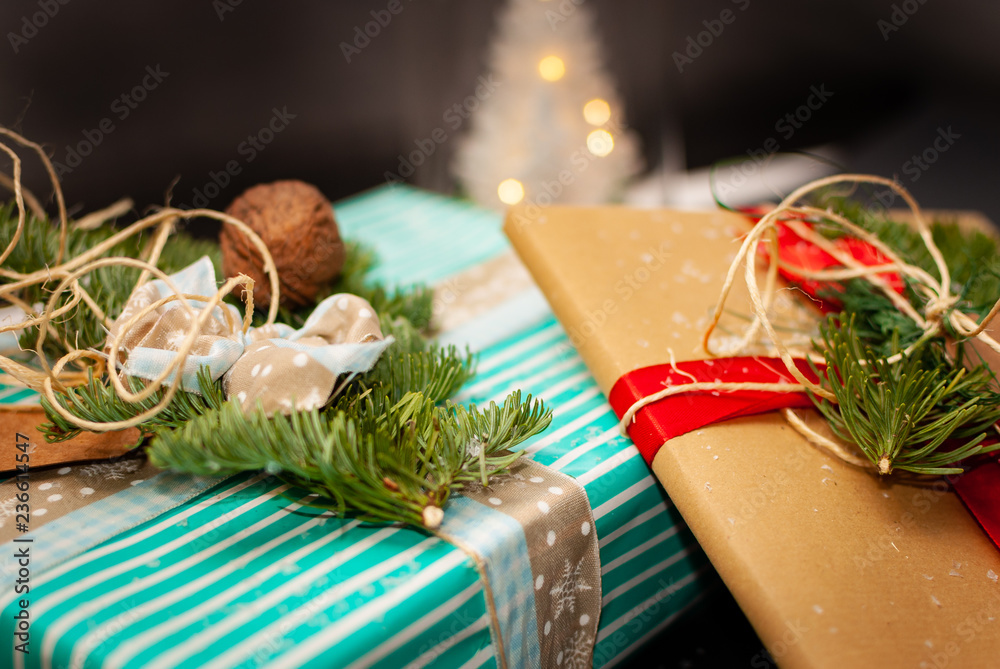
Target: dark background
x=229, y=69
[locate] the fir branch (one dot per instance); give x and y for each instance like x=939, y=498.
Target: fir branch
x=438, y=373
x=415, y=458
x=905, y=415
x=97, y=401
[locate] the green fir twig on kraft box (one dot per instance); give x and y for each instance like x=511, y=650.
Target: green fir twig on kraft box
x=900, y=378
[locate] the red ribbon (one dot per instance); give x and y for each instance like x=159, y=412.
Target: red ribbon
x=679, y=414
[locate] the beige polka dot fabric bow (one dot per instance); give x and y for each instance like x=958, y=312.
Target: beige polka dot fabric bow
x=277, y=367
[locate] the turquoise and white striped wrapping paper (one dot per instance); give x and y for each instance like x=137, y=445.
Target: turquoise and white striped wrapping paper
x=243, y=575
x=420, y=237
x=13, y=394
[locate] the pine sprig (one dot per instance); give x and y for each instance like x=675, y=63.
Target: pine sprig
x=973, y=257
x=97, y=401
x=388, y=467
x=906, y=415
x=932, y=409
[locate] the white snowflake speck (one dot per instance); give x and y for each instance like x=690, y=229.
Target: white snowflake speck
x=473, y=447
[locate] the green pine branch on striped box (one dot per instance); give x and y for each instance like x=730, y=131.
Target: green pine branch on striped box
x=388, y=447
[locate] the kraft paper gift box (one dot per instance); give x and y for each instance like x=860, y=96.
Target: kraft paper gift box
x=833, y=567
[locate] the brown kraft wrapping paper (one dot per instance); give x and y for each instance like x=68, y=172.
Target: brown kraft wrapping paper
x=833, y=567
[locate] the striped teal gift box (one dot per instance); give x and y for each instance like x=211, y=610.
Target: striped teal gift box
x=13, y=393
x=243, y=574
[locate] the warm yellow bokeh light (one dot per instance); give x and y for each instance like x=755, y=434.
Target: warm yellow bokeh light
x=600, y=143
x=551, y=68
x=510, y=191
x=597, y=112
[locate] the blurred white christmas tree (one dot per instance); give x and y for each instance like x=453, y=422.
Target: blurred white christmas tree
x=554, y=129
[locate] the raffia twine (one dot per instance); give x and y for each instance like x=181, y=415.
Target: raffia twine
x=938, y=308
x=69, y=273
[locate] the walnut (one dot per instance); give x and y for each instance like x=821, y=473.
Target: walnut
x=296, y=223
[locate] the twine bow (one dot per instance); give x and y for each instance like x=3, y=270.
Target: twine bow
x=198, y=307
x=939, y=307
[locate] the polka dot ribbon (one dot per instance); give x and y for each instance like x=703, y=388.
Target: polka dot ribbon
x=276, y=366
